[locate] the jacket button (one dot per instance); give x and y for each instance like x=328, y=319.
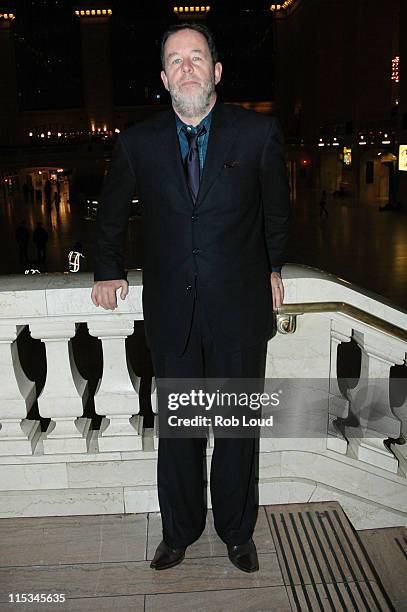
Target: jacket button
x=194, y=217
x=196, y=251
x=189, y=287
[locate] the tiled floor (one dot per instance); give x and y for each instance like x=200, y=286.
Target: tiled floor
x=387, y=549
x=356, y=241
x=310, y=559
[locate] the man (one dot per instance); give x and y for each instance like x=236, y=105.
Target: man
x=215, y=206
x=23, y=238
x=40, y=239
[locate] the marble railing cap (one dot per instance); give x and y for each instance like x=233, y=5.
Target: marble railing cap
x=59, y=294
x=301, y=272
x=55, y=280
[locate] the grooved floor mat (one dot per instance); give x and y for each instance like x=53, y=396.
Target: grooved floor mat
x=324, y=563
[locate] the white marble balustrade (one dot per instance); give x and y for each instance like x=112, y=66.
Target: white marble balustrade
x=72, y=469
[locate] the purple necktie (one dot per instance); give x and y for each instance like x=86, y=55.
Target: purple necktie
x=192, y=164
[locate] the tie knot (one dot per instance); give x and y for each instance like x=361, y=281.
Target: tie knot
x=193, y=135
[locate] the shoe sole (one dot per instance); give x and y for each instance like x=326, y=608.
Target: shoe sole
x=169, y=565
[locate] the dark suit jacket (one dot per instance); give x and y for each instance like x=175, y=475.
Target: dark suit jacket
x=224, y=246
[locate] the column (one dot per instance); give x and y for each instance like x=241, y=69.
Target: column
x=8, y=81
x=338, y=405
x=18, y=435
x=65, y=391
x=400, y=411
x=117, y=396
x=97, y=67
x=370, y=400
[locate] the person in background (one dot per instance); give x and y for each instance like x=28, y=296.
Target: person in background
x=40, y=239
x=322, y=204
x=57, y=201
x=23, y=238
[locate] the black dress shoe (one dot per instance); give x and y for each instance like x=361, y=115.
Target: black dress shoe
x=244, y=556
x=166, y=557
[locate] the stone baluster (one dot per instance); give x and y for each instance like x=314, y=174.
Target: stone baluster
x=400, y=410
x=18, y=435
x=65, y=391
x=370, y=400
x=338, y=405
x=117, y=396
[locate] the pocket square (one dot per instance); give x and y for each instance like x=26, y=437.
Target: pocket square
x=232, y=164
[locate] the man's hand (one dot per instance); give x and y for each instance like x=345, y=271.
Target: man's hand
x=104, y=293
x=277, y=289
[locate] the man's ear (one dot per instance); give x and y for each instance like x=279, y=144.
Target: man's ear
x=164, y=79
x=218, y=72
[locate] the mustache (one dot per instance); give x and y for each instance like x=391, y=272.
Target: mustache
x=189, y=79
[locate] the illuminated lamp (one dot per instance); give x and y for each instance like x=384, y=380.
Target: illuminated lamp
x=395, y=69
x=347, y=156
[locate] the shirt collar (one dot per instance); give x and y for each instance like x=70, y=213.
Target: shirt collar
x=206, y=121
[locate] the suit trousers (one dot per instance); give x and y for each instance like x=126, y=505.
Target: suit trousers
x=181, y=470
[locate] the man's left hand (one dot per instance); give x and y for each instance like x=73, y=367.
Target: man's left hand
x=277, y=289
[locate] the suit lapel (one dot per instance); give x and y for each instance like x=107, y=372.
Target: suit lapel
x=168, y=157
x=222, y=135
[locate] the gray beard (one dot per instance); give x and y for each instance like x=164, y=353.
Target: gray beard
x=192, y=106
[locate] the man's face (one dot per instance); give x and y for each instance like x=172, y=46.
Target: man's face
x=189, y=74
